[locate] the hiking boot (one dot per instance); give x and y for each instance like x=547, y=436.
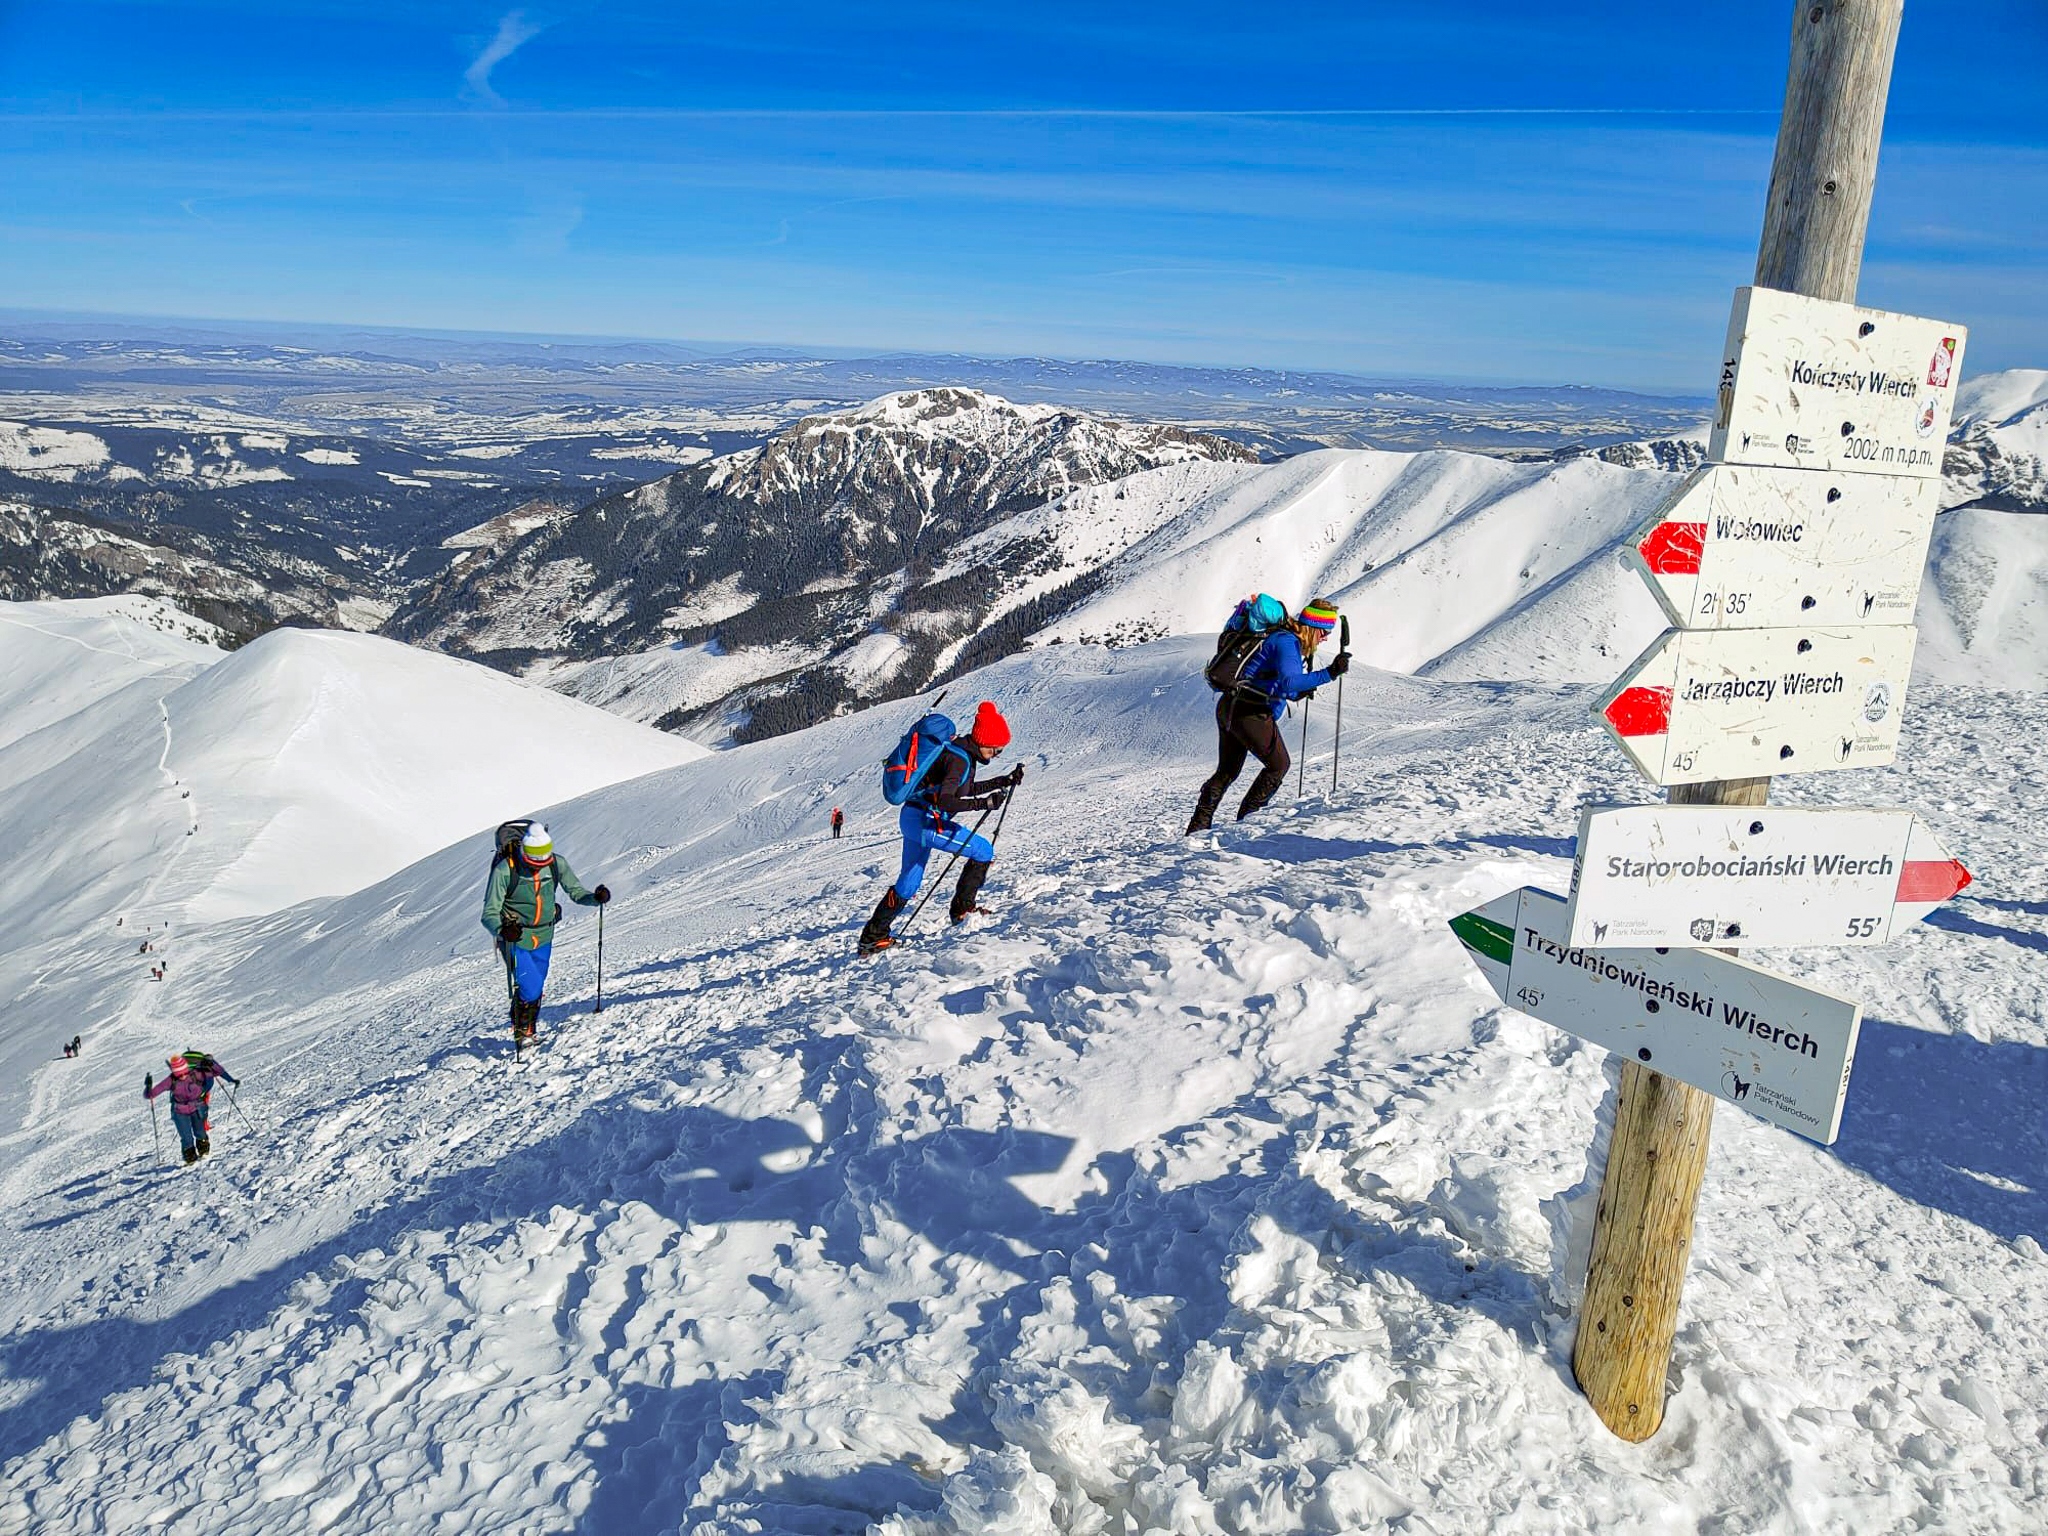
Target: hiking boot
x=868, y=946
x=204, y=1146
x=961, y=914
x=1264, y=787
x=191, y=1155
x=876, y=934
x=969, y=888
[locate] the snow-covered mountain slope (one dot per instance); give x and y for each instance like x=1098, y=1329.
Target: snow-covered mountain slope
x=1428, y=550
x=149, y=782
x=1452, y=565
x=821, y=538
x=2004, y=400
x=1205, y=1188
x=1998, y=450
x=1983, y=611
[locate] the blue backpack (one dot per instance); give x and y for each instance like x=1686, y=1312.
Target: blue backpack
x=914, y=756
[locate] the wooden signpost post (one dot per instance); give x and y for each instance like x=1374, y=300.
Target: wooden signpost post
x=1814, y=218
x=1791, y=565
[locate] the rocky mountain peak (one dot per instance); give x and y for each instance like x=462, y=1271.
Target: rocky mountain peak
x=962, y=450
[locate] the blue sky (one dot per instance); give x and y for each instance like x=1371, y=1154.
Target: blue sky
x=1555, y=192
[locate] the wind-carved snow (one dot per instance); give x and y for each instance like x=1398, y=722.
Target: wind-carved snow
x=328, y=455
x=1205, y=1187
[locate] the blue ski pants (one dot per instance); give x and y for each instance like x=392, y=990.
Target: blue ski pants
x=528, y=971
x=926, y=833
x=190, y=1127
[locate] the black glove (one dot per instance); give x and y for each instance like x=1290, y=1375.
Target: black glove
x=509, y=929
x=1016, y=775
x=1340, y=664
x=602, y=894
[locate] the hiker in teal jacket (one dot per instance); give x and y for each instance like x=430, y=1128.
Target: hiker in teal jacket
x=521, y=908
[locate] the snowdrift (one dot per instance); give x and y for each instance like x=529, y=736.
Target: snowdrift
x=1203, y=1189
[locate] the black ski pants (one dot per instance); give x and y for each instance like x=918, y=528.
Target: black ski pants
x=1244, y=728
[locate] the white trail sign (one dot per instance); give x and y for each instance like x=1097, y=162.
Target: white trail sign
x=1739, y=547
x=1777, y=1049
x=1811, y=384
x=1762, y=876
x=1733, y=703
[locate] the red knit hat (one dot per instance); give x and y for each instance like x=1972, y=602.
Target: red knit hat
x=990, y=728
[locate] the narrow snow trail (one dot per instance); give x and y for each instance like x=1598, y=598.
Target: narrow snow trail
x=1204, y=1188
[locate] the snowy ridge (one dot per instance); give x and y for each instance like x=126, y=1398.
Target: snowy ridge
x=1454, y=565
x=1203, y=1189
x=153, y=782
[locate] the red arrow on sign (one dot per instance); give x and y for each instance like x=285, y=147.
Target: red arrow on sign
x=1637, y=711
x=1925, y=883
x=1673, y=549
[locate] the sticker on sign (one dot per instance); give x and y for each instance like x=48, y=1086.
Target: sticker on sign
x=1737, y=703
x=1743, y=547
x=1777, y=1049
x=1761, y=876
x=1812, y=384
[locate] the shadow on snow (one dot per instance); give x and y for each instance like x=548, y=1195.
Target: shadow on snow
x=1952, y=1123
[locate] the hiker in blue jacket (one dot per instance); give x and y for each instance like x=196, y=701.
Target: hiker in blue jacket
x=1248, y=714
x=927, y=820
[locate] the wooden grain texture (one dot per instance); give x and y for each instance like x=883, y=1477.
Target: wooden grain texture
x=1825, y=168
x=1641, y=1242
x=1815, y=214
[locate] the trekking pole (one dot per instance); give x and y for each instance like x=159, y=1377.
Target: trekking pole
x=933, y=885
x=993, y=836
x=156, y=1140
x=1337, y=744
x=241, y=1115
x=1302, y=777
x=600, y=958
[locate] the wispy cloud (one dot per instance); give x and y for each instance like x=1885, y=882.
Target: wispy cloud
x=513, y=32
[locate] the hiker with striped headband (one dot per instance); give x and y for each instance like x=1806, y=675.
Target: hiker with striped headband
x=1258, y=670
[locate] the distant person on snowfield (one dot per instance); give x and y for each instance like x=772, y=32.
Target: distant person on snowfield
x=521, y=908
x=1273, y=671
x=927, y=820
x=838, y=821
x=191, y=1084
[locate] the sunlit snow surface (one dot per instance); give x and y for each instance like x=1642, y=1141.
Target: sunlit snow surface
x=1204, y=1188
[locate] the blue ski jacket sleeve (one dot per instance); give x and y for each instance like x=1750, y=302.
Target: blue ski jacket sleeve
x=1278, y=673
